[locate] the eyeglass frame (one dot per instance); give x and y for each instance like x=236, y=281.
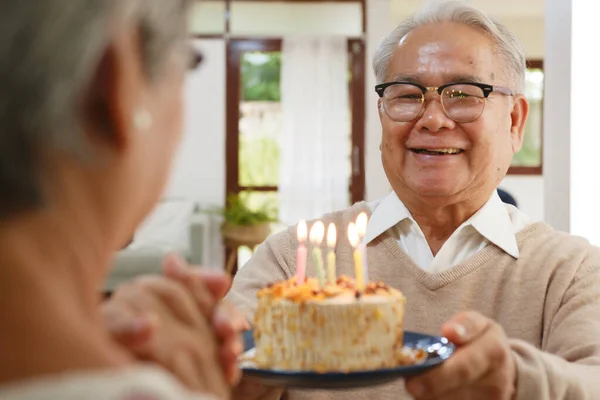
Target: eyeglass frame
x=486, y=88
x=196, y=58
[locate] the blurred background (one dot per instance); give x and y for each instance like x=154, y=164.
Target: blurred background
x=282, y=120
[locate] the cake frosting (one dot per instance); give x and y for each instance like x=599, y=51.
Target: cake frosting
x=337, y=327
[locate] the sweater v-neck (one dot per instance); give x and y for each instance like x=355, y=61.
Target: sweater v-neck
x=436, y=280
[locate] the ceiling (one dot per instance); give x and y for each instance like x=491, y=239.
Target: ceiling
x=522, y=9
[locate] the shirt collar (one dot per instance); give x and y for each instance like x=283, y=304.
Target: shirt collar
x=492, y=221
x=386, y=214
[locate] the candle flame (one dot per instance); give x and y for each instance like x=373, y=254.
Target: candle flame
x=361, y=224
x=317, y=231
x=302, y=231
x=353, y=234
x=331, y=235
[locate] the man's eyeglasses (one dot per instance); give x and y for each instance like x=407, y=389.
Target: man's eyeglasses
x=461, y=101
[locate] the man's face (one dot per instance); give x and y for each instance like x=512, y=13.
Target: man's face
x=432, y=56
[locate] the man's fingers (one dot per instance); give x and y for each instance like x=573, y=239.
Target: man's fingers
x=465, y=327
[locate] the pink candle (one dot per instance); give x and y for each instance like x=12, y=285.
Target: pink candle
x=301, y=253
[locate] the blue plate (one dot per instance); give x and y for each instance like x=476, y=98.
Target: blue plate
x=438, y=349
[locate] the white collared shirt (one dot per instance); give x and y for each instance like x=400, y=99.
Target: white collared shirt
x=495, y=222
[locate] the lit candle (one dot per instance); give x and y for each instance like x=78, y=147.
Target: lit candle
x=317, y=232
x=358, y=268
x=301, y=253
x=361, y=227
x=331, y=239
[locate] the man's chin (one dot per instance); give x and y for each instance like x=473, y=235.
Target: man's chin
x=436, y=191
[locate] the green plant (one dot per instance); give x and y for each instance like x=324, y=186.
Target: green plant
x=261, y=76
x=237, y=212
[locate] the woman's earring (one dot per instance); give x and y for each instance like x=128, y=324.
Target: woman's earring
x=142, y=120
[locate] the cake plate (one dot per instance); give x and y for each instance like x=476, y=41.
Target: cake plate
x=437, y=348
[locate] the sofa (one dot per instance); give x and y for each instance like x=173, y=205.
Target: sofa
x=173, y=226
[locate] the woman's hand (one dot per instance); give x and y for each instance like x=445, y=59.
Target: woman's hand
x=228, y=323
x=157, y=319
x=139, y=315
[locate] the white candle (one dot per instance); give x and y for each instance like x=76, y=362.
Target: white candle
x=358, y=265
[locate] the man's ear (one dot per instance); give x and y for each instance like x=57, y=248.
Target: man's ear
x=380, y=111
x=518, y=118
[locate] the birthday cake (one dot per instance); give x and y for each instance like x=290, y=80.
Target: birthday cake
x=327, y=328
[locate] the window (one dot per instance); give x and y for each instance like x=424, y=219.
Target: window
x=254, y=116
x=259, y=126
x=529, y=159
x=254, y=120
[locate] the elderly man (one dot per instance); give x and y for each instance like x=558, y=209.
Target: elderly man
x=520, y=300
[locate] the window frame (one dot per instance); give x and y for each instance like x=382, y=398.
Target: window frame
x=356, y=59
x=533, y=170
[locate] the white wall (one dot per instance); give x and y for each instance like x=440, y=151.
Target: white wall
x=572, y=136
x=529, y=193
x=379, y=24
x=272, y=18
x=199, y=169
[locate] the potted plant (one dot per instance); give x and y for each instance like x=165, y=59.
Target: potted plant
x=244, y=226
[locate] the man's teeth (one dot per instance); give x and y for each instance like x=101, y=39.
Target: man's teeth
x=448, y=151
x=438, y=151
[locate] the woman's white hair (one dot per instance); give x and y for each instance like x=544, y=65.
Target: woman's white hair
x=508, y=46
x=50, y=52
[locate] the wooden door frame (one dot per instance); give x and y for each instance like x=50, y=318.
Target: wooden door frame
x=235, y=47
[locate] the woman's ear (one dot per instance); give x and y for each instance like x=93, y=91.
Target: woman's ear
x=114, y=96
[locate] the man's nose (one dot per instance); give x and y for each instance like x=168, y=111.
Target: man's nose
x=433, y=118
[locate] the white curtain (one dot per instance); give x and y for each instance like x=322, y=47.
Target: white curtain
x=315, y=143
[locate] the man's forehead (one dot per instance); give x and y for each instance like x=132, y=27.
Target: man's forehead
x=418, y=59
x=444, y=77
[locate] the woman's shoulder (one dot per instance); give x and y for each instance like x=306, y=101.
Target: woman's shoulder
x=132, y=383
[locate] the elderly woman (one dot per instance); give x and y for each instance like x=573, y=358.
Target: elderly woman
x=90, y=114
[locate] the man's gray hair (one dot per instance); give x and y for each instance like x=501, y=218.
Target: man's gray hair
x=50, y=52
x=508, y=46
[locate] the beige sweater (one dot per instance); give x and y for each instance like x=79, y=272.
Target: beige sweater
x=547, y=301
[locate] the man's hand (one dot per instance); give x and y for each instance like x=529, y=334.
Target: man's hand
x=158, y=320
x=481, y=368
